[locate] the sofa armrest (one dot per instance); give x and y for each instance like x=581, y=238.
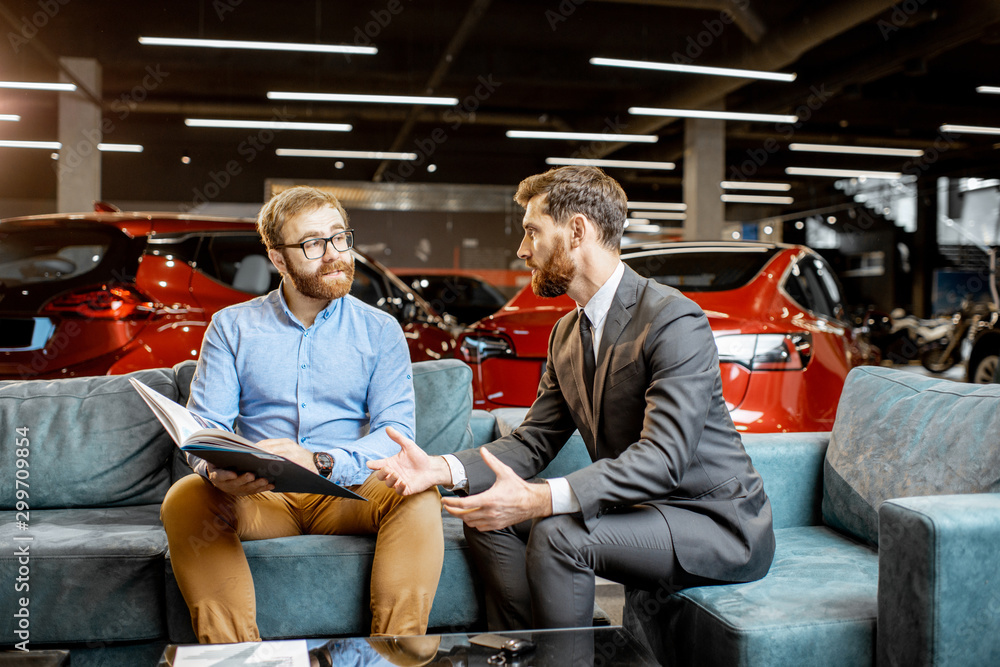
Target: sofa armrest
x=939, y=580
x=791, y=465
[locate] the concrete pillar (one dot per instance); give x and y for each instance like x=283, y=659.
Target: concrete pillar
x=704, y=169
x=79, y=167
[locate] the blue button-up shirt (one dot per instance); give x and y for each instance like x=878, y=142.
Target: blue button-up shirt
x=332, y=387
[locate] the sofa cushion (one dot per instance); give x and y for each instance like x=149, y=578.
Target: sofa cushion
x=816, y=606
x=93, y=442
x=285, y=572
x=572, y=456
x=899, y=434
x=95, y=575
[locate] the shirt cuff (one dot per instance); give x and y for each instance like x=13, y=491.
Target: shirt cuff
x=459, y=482
x=564, y=501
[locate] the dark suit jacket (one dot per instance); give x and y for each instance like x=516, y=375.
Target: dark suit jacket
x=659, y=432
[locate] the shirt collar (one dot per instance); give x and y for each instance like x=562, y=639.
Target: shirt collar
x=599, y=305
x=320, y=316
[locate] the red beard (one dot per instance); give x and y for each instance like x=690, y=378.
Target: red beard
x=315, y=286
x=553, y=279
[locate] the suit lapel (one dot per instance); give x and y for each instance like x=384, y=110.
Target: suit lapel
x=619, y=315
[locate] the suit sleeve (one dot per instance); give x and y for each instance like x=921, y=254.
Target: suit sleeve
x=681, y=358
x=545, y=429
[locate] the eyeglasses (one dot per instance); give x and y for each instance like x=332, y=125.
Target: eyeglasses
x=316, y=248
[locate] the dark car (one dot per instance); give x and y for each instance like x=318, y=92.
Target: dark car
x=110, y=292
x=464, y=297
x=785, y=346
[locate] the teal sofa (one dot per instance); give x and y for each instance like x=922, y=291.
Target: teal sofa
x=97, y=571
x=887, y=538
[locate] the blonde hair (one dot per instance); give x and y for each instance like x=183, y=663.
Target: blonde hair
x=288, y=204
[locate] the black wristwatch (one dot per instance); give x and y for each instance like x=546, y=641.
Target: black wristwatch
x=323, y=463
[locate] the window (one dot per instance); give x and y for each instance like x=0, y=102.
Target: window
x=702, y=271
x=813, y=286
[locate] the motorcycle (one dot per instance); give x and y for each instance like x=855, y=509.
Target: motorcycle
x=950, y=349
x=903, y=338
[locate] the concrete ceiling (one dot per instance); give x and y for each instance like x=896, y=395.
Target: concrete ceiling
x=869, y=73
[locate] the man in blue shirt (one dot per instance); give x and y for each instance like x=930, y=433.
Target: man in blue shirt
x=317, y=376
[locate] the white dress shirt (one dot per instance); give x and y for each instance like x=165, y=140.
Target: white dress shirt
x=564, y=501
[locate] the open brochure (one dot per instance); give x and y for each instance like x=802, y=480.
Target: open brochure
x=228, y=450
x=287, y=653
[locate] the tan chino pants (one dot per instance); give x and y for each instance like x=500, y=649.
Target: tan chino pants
x=205, y=527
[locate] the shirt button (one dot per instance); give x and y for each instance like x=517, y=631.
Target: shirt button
x=303, y=365
x=303, y=405
x=304, y=440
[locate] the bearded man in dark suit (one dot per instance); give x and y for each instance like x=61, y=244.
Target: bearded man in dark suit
x=671, y=498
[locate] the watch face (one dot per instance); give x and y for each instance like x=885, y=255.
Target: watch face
x=324, y=463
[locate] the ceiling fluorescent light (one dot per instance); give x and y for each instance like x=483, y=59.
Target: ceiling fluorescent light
x=10, y=116
x=713, y=115
x=695, y=69
x=641, y=226
x=970, y=129
x=47, y=145
x=120, y=148
x=661, y=215
x=995, y=90
x=582, y=136
x=757, y=199
x=611, y=164
x=362, y=155
x=755, y=185
x=261, y=46
x=841, y=173
x=35, y=85
x=657, y=205
x=267, y=125
x=856, y=150
x=351, y=97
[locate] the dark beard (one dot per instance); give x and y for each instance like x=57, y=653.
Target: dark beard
x=313, y=285
x=553, y=279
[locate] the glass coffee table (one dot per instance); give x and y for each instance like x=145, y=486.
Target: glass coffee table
x=609, y=646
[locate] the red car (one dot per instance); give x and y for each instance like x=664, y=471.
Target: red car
x=784, y=345
x=110, y=292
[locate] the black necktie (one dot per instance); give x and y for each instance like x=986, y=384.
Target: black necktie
x=589, y=363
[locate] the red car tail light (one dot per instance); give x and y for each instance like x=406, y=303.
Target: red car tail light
x=104, y=302
x=766, y=352
x=475, y=349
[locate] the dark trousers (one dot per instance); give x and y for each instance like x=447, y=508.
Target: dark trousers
x=540, y=574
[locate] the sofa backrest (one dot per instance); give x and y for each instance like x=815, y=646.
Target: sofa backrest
x=900, y=434
x=443, y=404
x=91, y=442
x=791, y=465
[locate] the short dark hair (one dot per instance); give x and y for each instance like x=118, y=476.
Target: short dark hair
x=586, y=190
x=286, y=205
